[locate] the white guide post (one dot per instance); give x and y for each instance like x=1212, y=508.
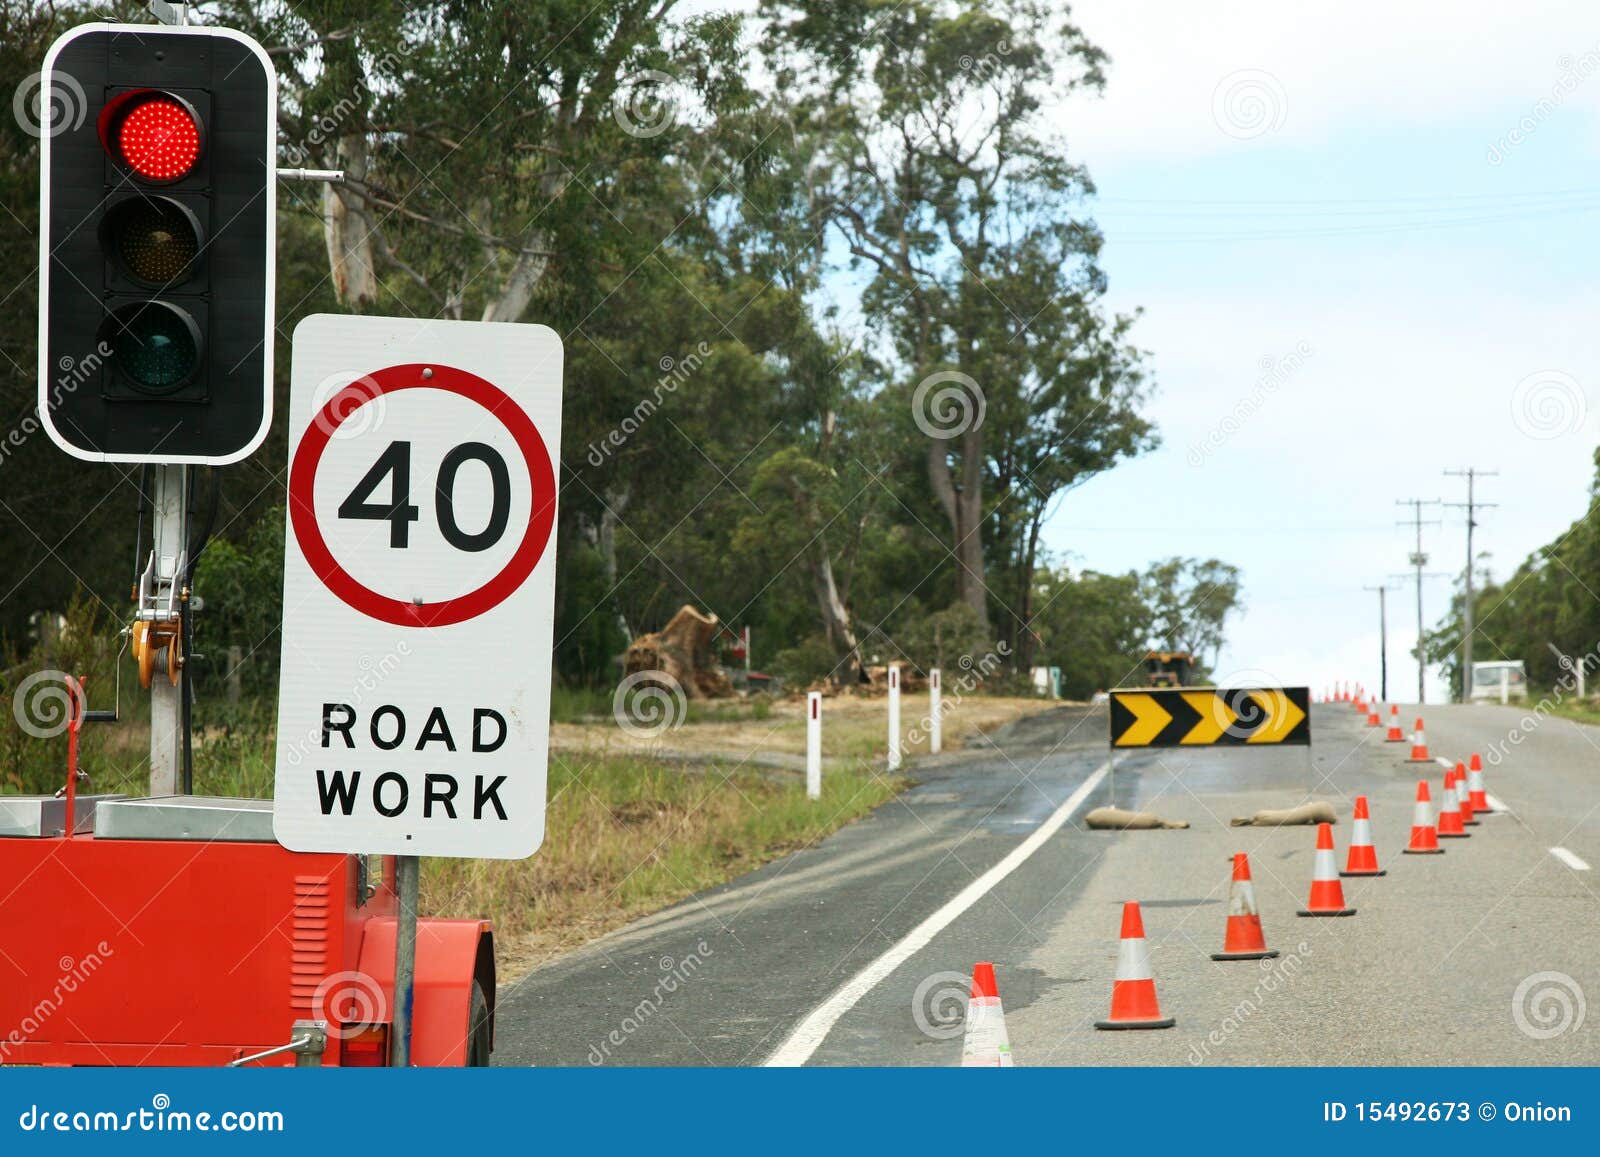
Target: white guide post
x=814, y=745
x=894, y=717
x=935, y=723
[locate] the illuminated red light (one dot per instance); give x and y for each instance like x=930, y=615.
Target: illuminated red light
x=159, y=139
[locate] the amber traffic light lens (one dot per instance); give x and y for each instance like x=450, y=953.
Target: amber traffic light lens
x=155, y=240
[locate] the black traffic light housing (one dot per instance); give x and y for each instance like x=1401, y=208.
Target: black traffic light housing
x=158, y=195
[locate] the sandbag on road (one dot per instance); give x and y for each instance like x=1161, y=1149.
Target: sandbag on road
x=1115, y=818
x=1307, y=813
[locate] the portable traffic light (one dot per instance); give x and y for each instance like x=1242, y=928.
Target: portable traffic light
x=157, y=201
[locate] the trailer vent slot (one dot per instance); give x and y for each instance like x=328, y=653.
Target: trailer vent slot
x=309, y=952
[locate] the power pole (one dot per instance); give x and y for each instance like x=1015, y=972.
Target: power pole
x=1471, y=506
x=1418, y=561
x=1383, y=640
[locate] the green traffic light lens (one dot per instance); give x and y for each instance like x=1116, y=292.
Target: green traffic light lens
x=156, y=240
x=154, y=345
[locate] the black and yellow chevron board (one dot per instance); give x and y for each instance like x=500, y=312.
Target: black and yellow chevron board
x=1211, y=717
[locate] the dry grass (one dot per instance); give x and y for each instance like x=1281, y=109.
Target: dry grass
x=854, y=728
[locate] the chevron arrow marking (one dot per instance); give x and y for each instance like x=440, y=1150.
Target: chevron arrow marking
x=1282, y=716
x=1149, y=717
x=1215, y=717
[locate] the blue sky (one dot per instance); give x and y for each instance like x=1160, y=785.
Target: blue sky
x=1319, y=178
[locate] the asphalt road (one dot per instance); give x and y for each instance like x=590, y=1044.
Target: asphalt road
x=1425, y=973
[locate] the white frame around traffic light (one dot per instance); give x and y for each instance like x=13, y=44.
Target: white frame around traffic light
x=46, y=77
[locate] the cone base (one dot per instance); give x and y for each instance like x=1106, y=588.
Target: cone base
x=1425, y=759
x=1327, y=912
x=1378, y=872
x=1455, y=835
x=1399, y=739
x=1264, y=954
x=1470, y=823
x=1422, y=851
x=1168, y=1022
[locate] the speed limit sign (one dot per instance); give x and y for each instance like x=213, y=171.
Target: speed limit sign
x=418, y=587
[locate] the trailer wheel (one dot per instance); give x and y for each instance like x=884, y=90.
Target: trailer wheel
x=479, y=1031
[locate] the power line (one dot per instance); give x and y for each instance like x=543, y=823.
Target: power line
x=1471, y=474
x=1418, y=561
x=1383, y=639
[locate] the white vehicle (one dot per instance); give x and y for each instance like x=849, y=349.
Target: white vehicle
x=1499, y=681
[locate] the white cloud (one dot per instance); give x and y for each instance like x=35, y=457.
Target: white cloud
x=1398, y=61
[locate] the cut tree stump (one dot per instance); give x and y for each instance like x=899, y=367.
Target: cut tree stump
x=683, y=650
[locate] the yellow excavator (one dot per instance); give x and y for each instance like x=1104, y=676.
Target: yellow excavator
x=1168, y=668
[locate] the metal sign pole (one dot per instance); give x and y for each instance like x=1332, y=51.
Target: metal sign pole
x=407, y=873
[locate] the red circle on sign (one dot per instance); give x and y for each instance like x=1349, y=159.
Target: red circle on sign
x=303, y=477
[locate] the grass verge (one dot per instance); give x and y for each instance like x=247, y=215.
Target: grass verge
x=625, y=836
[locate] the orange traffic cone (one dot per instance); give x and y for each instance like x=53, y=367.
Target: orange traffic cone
x=1424, y=837
x=1463, y=797
x=1243, y=939
x=1360, y=701
x=1450, y=825
x=1395, y=735
x=1419, y=745
x=1373, y=718
x=1133, y=992
x=986, y=1044
x=1475, y=789
x=1363, y=858
x=1327, y=894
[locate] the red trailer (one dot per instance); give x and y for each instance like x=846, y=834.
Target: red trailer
x=176, y=931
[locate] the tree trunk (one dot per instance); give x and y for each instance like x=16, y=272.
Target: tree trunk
x=1026, y=640
x=347, y=227
x=835, y=618
x=963, y=509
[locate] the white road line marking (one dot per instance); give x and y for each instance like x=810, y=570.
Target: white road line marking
x=1569, y=859
x=1443, y=762
x=1496, y=803
x=809, y=1034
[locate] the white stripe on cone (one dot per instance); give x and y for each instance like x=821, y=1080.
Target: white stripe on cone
x=1241, y=900
x=1133, y=960
x=1323, y=866
x=1361, y=834
x=1422, y=814
x=986, y=1045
